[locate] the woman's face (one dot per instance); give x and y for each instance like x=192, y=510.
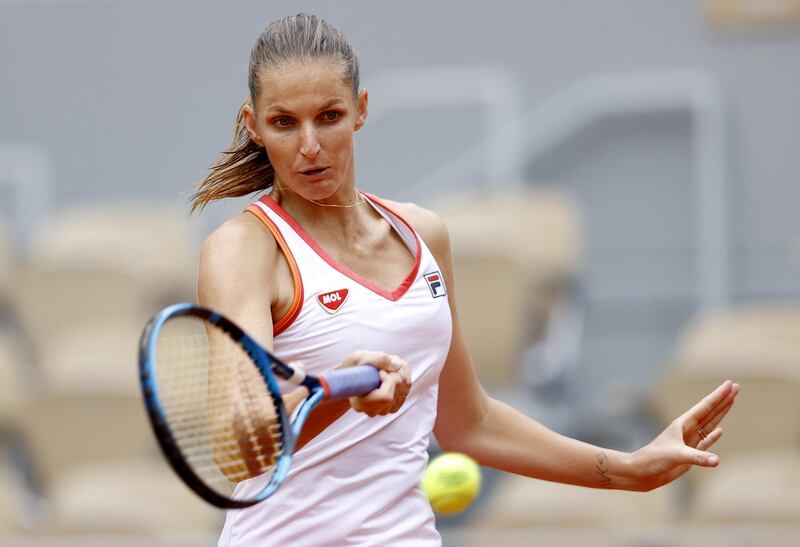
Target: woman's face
x=305, y=118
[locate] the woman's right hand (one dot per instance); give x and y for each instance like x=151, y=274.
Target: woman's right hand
x=395, y=382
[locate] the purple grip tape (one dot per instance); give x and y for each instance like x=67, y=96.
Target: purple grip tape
x=352, y=381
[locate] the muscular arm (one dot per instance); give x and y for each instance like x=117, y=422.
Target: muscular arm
x=238, y=277
x=499, y=436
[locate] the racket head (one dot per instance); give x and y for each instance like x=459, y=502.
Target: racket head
x=215, y=405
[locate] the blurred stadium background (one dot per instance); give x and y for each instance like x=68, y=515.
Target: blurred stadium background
x=619, y=178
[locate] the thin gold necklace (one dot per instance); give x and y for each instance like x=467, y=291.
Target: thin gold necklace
x=359, y=200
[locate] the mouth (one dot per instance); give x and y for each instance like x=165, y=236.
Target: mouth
x=313, y=171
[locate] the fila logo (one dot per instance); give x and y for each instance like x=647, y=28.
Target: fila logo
x=333, y=300
x=436, y=284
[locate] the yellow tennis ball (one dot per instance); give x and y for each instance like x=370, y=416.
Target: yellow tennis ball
x=451, y=481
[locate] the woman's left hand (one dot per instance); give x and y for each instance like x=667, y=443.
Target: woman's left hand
x=685, y=441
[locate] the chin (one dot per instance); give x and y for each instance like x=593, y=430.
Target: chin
x=319, y=190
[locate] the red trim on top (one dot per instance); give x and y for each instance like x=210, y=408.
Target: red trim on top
x=394, y=295
x=326, y=388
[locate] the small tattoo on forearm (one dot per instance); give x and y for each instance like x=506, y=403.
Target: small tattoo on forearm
x=601, y=469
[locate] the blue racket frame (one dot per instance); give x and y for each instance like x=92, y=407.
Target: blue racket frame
x=336, y=384
x=263, y=361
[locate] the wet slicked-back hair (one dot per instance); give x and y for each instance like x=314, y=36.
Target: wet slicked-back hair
x=244, y=168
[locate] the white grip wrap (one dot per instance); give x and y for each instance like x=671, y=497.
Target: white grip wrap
x=299, y=372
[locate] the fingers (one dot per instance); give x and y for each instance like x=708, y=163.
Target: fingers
x=402, y=369
x=691, y=424
x=710, y=439
x=395, y=385
x=378, y=359
x=720, y=414
x=692, y=456
x=710, y=404
x=387, y=398
x=378, y=401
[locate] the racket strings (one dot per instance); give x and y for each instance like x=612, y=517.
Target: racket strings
x=220, y=411
x=202, y=443
x=186, y=417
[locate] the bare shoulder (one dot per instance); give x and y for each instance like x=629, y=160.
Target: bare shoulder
x=430, y=227
x=238, y=258
x=240, y=238
x=237, y=276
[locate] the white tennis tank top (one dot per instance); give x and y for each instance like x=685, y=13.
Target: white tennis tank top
x=357, y=483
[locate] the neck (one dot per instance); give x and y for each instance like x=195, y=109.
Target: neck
x=345, y=213
x=358, y=199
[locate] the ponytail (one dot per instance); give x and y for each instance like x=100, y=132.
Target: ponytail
x=242, y=169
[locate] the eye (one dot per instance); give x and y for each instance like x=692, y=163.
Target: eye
x=282, y=122
x=331, y=116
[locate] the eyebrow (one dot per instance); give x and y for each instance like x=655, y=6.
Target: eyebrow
x=279, y=109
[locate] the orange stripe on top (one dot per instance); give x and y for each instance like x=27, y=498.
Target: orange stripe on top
x=297, y=301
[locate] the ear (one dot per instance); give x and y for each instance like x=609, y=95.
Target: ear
x=249, y=117
x=363, y=100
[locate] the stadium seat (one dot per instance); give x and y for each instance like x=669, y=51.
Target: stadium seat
x=468, y=536
x=19, y=496
x=16, y=499
x=71, y=429
x=541, y=228
x=495, y=319
x=735, y=338
x=140, y=498
x=7, y=267
x=519, y=502
x=91, y=280
x=50, y=300
x=751, y=488
x=149, y=242
x=13, y=387
x=102, y=264
x=514, y=256
x=757, y=346
x=97, y=356
x=9, y=502
x=88, y=404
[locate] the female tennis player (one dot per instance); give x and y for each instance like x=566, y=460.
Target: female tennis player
x=330, y=276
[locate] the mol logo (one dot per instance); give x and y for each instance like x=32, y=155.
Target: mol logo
x=333, y=300
x=436, y=284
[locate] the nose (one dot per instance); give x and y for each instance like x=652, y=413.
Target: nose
x=309, y=146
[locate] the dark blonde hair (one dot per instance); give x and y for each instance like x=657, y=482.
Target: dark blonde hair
x=244, y=168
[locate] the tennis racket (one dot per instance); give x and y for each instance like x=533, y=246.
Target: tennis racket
x=216, y=406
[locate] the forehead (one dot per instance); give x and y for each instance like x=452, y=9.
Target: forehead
x=295, y=84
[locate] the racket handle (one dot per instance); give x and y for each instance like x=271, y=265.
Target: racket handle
x=350, y=382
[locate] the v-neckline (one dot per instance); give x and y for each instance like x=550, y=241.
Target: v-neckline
x=385, y=212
